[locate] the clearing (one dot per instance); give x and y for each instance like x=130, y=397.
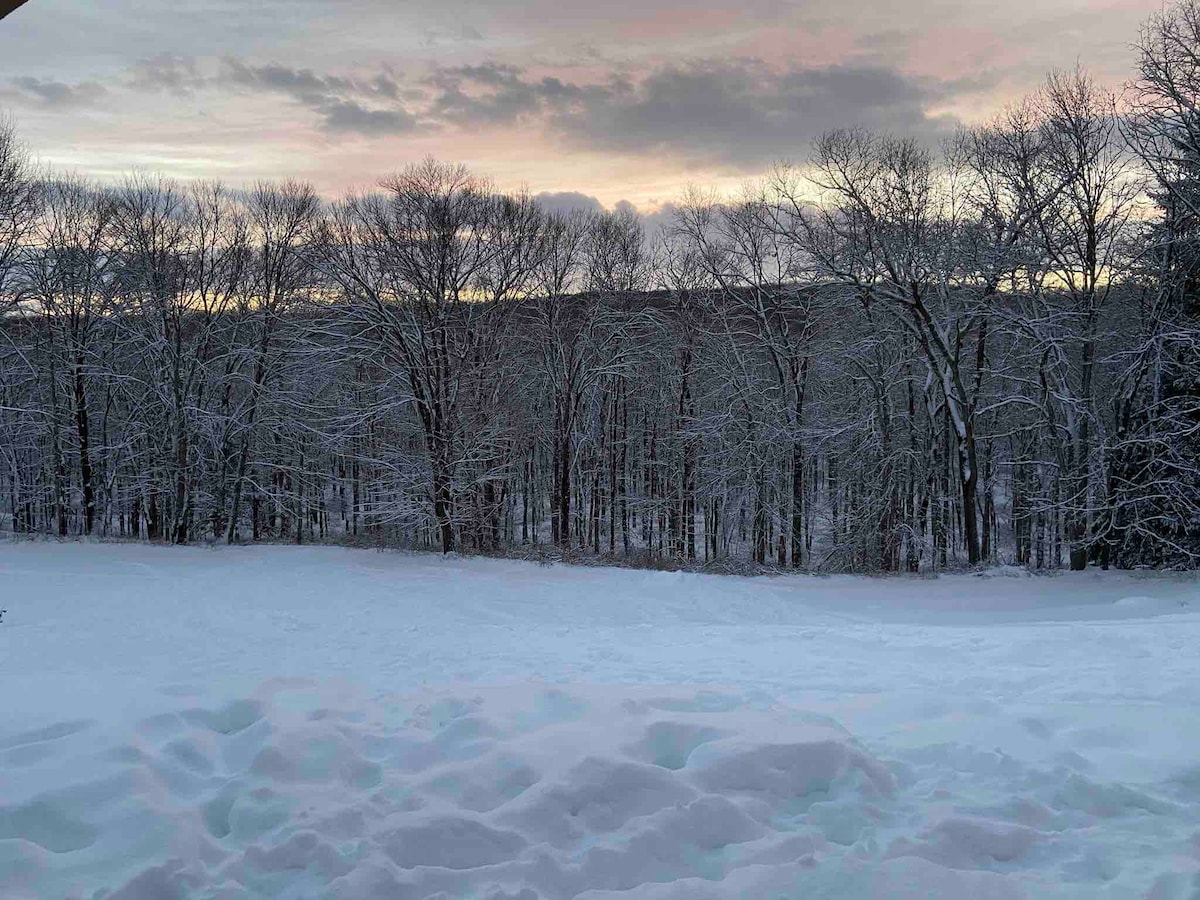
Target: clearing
x=307, y=722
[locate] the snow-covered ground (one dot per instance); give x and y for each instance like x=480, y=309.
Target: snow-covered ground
x=317, y=722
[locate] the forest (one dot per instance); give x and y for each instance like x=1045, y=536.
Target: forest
x=882, y=357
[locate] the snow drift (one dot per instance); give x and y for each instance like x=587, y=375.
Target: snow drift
x=310, y=723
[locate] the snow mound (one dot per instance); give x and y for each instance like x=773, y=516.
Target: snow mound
x=529, y=792
x=303, y=790
x=1152, y=605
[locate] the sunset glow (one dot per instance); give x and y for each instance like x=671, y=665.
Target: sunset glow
x=616, y=101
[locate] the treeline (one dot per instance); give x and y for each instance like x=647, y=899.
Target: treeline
x=888, y=358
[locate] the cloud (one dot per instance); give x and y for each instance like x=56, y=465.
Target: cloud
x=302, y=85
x=168, y=73
x=744, y=113
x=349, y=116
x=653, y=220
x=463, y=32
x=384, y=85
x=55, y=94
x=735, y=112
x=567, y=201
x=493, y=94
x=339, y=100
x=739, y=113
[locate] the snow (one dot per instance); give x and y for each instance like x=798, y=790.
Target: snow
x=328, y=723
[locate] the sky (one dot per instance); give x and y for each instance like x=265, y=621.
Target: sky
x=587, y=103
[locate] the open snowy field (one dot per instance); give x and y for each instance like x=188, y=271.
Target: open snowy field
x=327, y=723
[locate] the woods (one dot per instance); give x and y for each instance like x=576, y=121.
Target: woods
x=886, y=357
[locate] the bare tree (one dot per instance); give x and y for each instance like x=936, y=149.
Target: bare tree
x=20, y=203
x=70, y=277
x=428, y=269
x=1155, y=475
x=281, y=220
